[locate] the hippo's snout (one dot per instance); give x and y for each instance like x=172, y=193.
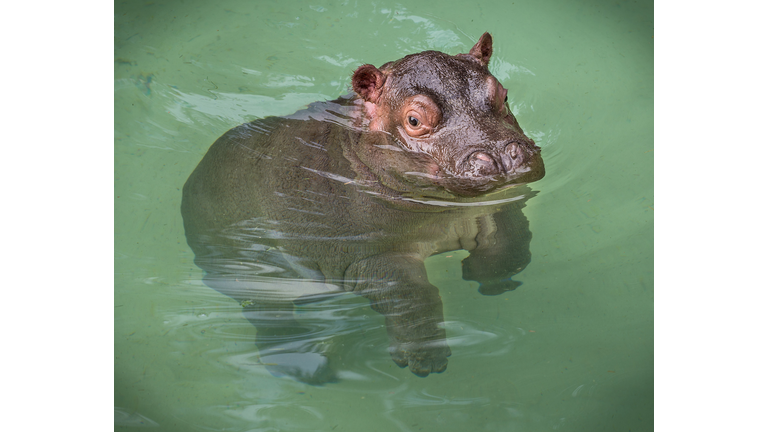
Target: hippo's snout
x=509, y=160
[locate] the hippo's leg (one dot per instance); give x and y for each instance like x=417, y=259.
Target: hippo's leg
x=297, y=348
x=502, y=252
x=396, y=285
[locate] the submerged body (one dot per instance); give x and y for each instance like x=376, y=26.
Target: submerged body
x=352, y=195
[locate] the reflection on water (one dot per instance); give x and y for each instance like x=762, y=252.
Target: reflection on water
x=124, y=417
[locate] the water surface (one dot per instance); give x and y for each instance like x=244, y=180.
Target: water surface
x=571, y=349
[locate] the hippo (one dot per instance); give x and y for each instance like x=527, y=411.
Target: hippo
x=352, y=195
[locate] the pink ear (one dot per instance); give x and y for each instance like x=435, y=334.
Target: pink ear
x=367, y=81
x=483, y=49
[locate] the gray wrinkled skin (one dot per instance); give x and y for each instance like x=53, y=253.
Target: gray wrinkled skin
x=353, y=195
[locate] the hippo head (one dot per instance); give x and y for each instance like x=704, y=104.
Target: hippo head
x=450, y=119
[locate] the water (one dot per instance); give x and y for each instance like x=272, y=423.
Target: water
x=571, y=349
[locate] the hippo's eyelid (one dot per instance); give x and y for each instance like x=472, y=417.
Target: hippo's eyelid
x=422, y=103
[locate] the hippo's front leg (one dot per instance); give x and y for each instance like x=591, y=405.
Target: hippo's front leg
x=503, y=250
x=396, y=285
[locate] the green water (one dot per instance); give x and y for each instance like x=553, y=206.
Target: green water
x=572, y=349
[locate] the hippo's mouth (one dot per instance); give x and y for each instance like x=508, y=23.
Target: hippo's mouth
x=482, y=173
x=472, y=184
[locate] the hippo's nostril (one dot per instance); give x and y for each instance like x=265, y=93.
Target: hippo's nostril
x=512, y=150
x=510, y=157
x=482, y=164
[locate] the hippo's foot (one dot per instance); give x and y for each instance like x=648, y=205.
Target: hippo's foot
x=290, y=348
x=493, y=280
x=492, y=288
x=302, y=361
x=421, y=358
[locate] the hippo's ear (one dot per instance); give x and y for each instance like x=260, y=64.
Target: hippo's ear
x=483, y=49
x=368, y=82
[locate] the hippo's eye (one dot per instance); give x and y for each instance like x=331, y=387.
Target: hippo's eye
x=420, y=116
x=506, y=98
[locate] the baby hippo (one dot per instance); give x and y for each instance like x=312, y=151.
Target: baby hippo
x=353, y=195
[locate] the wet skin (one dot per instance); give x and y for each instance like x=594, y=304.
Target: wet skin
x=353, y=195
